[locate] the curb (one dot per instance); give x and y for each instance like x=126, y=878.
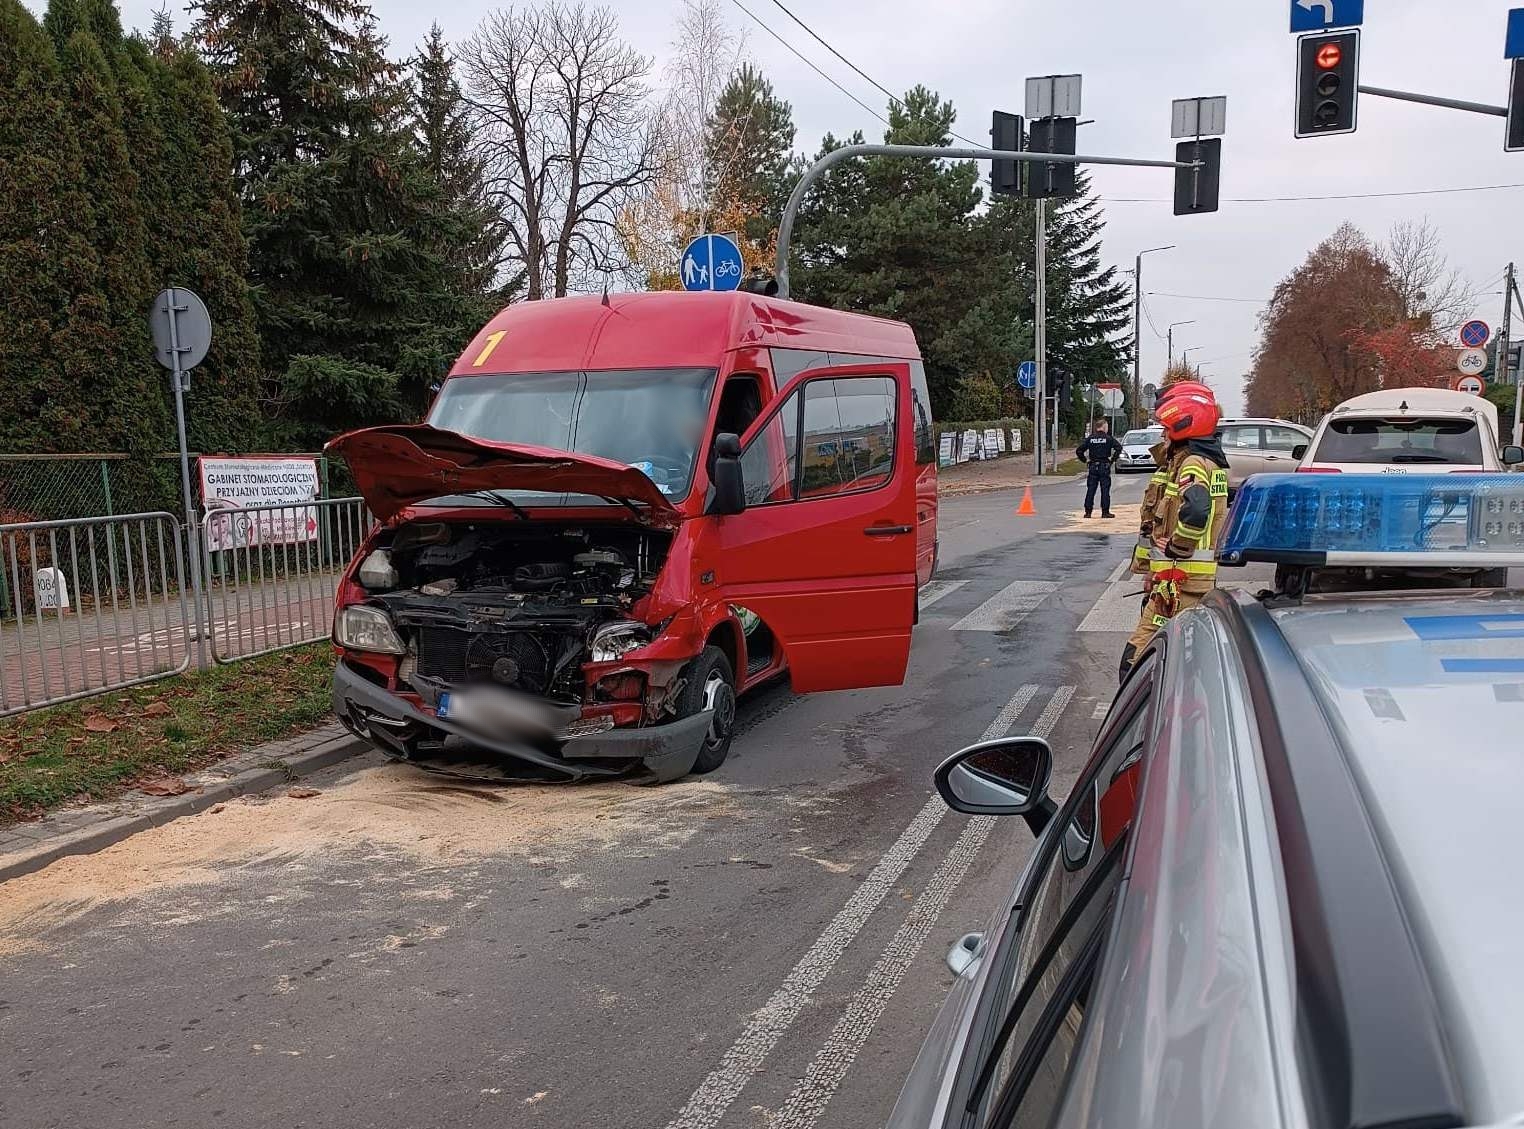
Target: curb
x=99, y=836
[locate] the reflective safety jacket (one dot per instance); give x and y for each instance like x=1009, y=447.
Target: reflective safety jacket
x=1153, y=495
x=1188, y=524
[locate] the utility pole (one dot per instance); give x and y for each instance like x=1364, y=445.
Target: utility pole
x=1041, y=267
x=1170, y=334
x=1137, y=331
x=1503, y=343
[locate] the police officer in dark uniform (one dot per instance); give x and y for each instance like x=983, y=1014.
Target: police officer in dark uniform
x=1098, y=451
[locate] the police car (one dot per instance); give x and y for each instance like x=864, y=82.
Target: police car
x=1284, y=891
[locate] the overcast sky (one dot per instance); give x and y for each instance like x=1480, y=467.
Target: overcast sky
x=1135, y=57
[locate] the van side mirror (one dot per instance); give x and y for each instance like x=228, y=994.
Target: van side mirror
x=1513, y=455
x=1299, y=452
x=1005, y=777
x=729, y=490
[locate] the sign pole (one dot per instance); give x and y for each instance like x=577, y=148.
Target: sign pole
x=1041, y=319
x=192, y=534
x=1503, y=345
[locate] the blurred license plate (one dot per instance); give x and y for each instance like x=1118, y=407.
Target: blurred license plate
x=492, y=710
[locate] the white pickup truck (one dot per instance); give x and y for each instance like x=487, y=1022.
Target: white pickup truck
x=1397, y=430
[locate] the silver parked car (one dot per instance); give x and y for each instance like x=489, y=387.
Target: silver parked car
x=1137, y=449
x=1261, y=446
x=1268, y=900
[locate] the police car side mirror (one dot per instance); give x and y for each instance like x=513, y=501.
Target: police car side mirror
x=1512, y=455
x=1299, y=452
x=1005, y=777
x=729, y=490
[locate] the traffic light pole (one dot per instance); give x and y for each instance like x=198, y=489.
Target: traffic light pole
x=1040, y=313
x=1432, y=100
x=933, y=153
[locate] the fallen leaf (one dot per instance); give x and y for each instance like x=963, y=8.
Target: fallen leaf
x=96, y=723
x=157, y=709
x=164, y=786
x=302, y=793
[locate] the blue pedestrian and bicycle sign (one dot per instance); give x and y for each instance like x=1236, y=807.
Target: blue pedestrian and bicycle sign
x=711, y=262
x=1026, y=375
x=1325, y=15
x=1475, y=334
x=1513, y=45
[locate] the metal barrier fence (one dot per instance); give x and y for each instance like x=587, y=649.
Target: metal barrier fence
x=99, y=604
x=273, y=571
x=95, y=604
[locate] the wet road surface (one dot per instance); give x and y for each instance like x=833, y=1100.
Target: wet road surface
x=760, y=947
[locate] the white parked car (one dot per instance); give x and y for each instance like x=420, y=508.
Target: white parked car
x=1137, y=453
x=1410, y=430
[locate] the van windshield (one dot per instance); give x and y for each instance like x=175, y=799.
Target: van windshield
x=651, y=419
x=1401, y=441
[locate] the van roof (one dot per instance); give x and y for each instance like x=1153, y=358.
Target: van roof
x=671, y=329
x=1421, y=401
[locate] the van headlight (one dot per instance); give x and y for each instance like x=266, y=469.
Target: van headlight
x=615, y=640
x=361, y=628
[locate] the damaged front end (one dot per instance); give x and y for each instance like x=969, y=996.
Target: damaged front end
x=523, y=638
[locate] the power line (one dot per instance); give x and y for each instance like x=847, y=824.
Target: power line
x=1207, y=298
x=795, y=51
x=1149, y=317
x=862, y=74
x=1301, y=199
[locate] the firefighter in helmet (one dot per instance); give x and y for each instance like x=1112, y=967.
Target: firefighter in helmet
x=1184, y=511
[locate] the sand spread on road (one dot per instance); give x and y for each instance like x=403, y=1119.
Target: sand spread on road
x=395, y=810
x=1125, y=520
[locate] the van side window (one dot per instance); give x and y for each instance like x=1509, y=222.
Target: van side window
x=920, y=404
x=770, y=461
x=848, y=435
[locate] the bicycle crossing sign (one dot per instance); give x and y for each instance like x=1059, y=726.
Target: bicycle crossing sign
x=711, y=262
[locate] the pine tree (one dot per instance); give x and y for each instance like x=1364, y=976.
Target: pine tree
x=118, y=377
x=901, y=238
x=54, y=310
x=750, y=147
x=347, y=229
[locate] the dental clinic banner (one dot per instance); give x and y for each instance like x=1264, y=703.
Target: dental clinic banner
x=231, y=487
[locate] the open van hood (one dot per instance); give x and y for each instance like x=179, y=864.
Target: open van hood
x=399, y=465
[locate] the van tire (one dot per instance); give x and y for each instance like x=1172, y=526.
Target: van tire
x=711, y=684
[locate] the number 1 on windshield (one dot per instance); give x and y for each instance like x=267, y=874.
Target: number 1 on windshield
x=492, y=342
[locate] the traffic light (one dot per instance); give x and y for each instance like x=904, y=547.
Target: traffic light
x=1327, y=83
x=1197, y=190
x=1051, y=135
x=1515, y=141
x=1005, y=134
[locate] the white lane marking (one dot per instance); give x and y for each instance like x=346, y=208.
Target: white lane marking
x=1116, y=573
x=1121, y=603
x=937, y=589
x=1101, y=710
x=1008, y=607
x=767, y=1025
x=810, y=1096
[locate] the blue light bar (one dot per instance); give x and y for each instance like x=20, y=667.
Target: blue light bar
x=1371, y=520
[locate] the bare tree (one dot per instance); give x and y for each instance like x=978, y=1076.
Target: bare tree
x=705, y=53
x=565, y=120
x=1431, y=291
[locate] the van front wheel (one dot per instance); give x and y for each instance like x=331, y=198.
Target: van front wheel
x=711, y=686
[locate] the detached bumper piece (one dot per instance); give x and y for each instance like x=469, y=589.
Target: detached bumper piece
x=398, y=728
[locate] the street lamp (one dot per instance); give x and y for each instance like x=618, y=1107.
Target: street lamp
x=1185, y=356
x=1170, y=333
x=1137, y=316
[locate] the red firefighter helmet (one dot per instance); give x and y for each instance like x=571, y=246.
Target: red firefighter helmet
x=1169, y=391
x=1192, y=414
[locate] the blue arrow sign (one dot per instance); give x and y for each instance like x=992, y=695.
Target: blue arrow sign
x=1513, y=45
x=711, y=262
x=1322, y=15
x=1026, y=375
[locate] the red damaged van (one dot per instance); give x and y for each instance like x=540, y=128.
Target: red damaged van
x=622, y=513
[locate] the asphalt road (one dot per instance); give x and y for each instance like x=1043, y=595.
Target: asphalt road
x=760, y=947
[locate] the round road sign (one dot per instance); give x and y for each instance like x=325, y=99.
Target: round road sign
x=179, y=317
x=1472, y=362
x=1471, y=384
x=1475, y=333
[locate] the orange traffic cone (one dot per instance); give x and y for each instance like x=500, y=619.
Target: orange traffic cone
x=1026, y=509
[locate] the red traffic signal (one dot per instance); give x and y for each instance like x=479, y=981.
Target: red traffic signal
x=1328, y=81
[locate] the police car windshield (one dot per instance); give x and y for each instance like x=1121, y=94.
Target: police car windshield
x=1401, y=441
x=652, y=419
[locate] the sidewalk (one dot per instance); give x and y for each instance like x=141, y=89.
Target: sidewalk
x=26, y=847
x=1012, y=472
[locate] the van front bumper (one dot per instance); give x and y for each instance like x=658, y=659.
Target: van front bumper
x=395, y=725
